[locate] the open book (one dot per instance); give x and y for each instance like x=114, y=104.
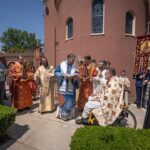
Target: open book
x=71, y=75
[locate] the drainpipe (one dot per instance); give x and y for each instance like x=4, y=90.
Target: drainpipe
x=55, y=47
x=147, y=16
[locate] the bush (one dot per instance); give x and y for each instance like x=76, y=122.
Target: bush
x=7, y=118
x=110, y=138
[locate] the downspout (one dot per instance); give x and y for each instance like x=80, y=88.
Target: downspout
x=55, y=47
x=147, y=16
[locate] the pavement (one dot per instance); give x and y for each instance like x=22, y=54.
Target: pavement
x=33, y=131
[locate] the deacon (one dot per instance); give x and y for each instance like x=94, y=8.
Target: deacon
x=86, y=74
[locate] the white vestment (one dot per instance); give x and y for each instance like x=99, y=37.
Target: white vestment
x=99, y=81
x=126, y=85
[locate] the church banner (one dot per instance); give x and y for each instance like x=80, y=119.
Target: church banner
x=37, y=53
x=142, y=54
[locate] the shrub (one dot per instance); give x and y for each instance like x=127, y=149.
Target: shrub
x=110, y=138
x=7, y=118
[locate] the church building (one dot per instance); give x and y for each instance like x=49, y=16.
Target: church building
x=104, y=29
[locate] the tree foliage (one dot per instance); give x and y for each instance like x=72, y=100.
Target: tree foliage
x=15, y=40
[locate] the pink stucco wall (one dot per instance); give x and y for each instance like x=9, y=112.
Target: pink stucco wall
x=113, y=45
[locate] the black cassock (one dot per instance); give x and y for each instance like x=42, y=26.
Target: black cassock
x=147, y=117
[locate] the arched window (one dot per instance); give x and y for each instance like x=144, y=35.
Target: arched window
x=97, y=16
x=69, y=28
x=129, y=23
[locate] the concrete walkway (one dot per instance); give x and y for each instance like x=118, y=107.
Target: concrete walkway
x=33, y=131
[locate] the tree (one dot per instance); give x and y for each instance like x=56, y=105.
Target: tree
x=15, y=40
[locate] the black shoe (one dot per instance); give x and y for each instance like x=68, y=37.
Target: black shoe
x=82, y=121
x=78, y=121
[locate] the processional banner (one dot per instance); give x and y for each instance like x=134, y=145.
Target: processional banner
x=142, y=54
x=36, y=53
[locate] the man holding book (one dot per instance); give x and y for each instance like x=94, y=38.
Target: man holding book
x=67, y=78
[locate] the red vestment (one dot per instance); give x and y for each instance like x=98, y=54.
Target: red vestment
x=86, y=73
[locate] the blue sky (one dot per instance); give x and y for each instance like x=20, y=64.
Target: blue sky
x=22, y=14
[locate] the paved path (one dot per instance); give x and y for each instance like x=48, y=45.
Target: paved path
x=33, y=131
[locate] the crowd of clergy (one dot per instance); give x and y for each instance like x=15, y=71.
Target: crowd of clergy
x=90, y=87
